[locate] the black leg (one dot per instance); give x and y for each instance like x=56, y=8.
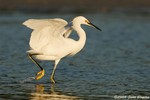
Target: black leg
x=30, y=56
x=41, y=73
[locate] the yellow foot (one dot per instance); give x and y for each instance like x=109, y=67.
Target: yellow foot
x=40, y=74
x=52, y=80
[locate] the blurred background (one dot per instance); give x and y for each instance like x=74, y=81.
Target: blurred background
x=113, y=62
x=75, y=6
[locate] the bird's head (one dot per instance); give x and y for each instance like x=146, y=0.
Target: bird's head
x=83, y=20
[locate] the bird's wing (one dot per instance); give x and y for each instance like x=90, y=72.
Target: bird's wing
x=46, y=30
x=41, y=23
x=68, y=31
x=38, y=24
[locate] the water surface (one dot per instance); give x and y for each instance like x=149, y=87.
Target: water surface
x=115, y=61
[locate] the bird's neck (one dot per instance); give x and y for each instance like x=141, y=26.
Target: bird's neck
x=82, y=38
x=82, y=35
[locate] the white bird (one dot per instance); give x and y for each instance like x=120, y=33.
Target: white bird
x=50, y=40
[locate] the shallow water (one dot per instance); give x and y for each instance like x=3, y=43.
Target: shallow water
x=113, y=62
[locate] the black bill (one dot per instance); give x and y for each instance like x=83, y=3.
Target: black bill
x=94, y=26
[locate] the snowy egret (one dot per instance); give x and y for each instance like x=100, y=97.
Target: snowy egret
x=50, y=40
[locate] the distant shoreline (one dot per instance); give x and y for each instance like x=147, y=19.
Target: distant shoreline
x=75, y=6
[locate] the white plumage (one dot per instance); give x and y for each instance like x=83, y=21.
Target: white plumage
x=50, y=39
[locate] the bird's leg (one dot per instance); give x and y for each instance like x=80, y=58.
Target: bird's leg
x=52, y=75
x=40, y=74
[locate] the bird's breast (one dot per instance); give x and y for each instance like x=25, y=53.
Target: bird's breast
x=59, y=48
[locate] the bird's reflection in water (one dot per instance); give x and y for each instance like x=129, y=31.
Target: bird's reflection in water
x=41, y=94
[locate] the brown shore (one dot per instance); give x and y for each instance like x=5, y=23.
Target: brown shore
x=75, y=5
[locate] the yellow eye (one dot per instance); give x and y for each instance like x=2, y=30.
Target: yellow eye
x=87, y=21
